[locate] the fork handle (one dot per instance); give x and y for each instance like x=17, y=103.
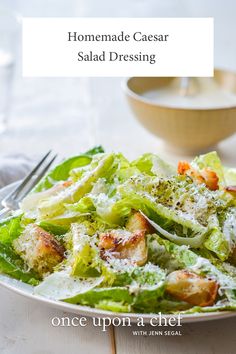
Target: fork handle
x=4, y=212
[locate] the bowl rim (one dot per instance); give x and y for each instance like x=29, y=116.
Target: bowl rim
x=129, y=92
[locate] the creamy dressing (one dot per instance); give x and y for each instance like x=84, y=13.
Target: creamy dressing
x=201, y=93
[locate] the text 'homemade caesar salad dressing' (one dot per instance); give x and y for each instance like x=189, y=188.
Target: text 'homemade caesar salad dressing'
x=202, y=93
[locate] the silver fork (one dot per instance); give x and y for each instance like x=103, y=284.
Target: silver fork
x=12, y=200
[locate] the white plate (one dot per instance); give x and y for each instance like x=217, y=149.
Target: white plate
x=27, y=291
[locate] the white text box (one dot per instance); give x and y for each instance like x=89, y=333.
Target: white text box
x=64, y=47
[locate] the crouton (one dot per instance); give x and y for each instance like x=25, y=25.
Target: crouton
x=206, y=176
x=231, y=190
x=192, y=288
x=124, y=245
x=137, y=222
x=232, y=256
x=39, y=249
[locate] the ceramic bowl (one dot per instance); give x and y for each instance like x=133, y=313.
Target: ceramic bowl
x=187, y=129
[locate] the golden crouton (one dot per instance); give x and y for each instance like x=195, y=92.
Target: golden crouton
x=192, y=288
x=39, y=249
x=232, y=257
x=124, y=245
x=206, y=176
x=231, y=190
x=137, y=222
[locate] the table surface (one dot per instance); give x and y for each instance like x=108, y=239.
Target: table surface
x=71, y=115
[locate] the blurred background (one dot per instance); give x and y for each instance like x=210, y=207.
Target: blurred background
x=71, y=115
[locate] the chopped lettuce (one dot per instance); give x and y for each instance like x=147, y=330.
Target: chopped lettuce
x=211, y=161
x=184, y=258
x=153, y=165
x=87, y=203
x=62, y=171
x=55, y=204
x=86, y=261
x=12, y=265
x=230, y=176
x=10, y=229
x=167, y=218
x=141, y=294
x=61, y=285
x=116, y=299
x=58, y=230
x=217, y=242
x=229, y=226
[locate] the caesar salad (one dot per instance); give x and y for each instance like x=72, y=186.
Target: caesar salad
x=134, y=237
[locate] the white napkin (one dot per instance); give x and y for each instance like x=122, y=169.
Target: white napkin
x=13, y=168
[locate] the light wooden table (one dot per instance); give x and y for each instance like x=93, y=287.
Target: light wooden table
x=56, y=113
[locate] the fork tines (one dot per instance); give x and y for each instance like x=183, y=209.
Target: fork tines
x=33, y=177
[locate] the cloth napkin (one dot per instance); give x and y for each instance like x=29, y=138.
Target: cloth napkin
x=14, y=168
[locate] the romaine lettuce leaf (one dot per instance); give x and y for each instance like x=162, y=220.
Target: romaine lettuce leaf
x=167, y=218
x=172, y=306
x=114, y=306
x=62, y=171
x=61, y=285
x=54, y=205
x=58, y=230
x=118, y=296
x=12, y=265
x=153, y=165
x=132, y=298
x=10, y=229
x=148, y=286
x=217, y=242
x=86, y=260
x=112, y=211
x=221, y=306
x=212, y=161
x=181, y=209
x=229, y=226
x=145, y=284
x=230, y=176
x=184, y=258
